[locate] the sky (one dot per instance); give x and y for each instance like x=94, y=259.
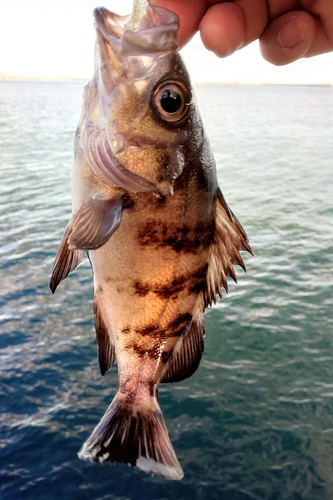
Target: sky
x=55, y=39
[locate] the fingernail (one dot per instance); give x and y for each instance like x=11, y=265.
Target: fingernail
x=290, y=34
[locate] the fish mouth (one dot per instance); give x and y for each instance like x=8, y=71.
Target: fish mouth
x=156, y=32
x=109, y=23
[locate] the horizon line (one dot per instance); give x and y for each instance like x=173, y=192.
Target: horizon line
x=68, y=79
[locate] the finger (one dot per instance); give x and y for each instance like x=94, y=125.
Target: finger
x=323, y=15
x=278, y=7
x=229, y=26
x=189, y=16
x=322, y=12
x=288, y=37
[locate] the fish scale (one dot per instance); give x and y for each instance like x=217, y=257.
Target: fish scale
x=161, y=240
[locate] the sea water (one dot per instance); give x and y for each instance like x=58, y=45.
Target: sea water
x=256, y=420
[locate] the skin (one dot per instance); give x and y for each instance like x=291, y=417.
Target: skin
x=287, y=29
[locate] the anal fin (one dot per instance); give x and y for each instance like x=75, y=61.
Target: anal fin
x=105, y=343
x=188, y=352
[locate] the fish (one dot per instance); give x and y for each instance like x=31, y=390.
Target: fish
x=148, y=211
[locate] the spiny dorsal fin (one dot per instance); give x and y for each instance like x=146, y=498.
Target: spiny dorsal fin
x=229, y=239
x=187, y=354
x=66, y=260
x=105, y=343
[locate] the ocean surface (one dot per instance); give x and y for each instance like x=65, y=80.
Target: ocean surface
x=256, y=420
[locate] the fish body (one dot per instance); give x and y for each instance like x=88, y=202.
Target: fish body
x=159, y=235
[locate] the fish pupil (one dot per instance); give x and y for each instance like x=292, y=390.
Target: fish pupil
x=171, y=101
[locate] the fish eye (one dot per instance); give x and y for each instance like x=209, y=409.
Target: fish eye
x=172, y=102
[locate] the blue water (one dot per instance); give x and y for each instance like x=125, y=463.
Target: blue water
x=256, y=420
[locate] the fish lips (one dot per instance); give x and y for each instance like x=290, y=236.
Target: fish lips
x=110, y=25
x=157, y=31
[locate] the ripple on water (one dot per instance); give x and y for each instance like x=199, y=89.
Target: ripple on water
x=255, y=421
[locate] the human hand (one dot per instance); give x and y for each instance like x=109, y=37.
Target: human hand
x=286, y=29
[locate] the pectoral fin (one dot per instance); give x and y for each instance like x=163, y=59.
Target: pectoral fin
x=89, y=228
x=66, y=260
x=188, y=352
x=95, y=222
x=229, y=239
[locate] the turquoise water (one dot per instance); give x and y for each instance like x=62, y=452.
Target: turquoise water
x=256, y=420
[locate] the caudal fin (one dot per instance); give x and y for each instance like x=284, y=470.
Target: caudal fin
x=133, y=437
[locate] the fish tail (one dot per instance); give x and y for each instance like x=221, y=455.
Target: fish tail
x=133, y=436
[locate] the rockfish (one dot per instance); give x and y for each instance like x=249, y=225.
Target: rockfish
x=160, y=237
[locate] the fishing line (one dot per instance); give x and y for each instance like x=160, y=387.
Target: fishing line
x=236, y=80
x=139, y=7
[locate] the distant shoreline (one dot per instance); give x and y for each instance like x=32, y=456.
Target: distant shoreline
x=6, y=77
x=12, y=78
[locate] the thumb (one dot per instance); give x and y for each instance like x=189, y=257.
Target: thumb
x=288, y=37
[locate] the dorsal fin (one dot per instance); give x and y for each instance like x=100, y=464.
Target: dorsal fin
x=105, y=343
x=187, y=354
x=229, y=239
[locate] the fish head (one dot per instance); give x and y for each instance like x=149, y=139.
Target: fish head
x=138, y=111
